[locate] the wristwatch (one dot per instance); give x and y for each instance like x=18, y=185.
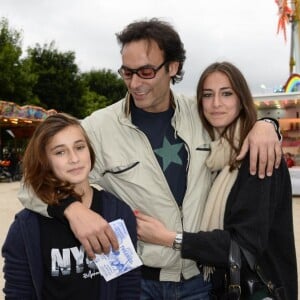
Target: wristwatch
x=272, y=121
x=177, y=244
x=275, y=123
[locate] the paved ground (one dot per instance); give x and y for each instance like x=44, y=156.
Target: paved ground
x=9, y=205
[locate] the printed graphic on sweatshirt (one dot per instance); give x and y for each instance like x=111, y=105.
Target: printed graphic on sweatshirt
x=72, y=260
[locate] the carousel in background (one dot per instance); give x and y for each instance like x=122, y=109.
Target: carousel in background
x=284, y=104
x=17, y=124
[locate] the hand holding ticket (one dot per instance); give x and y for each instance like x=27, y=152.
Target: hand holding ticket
x=116, y=263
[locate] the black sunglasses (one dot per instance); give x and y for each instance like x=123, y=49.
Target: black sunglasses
x=145, y=72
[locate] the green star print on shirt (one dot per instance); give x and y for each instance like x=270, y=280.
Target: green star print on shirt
x=169, y=153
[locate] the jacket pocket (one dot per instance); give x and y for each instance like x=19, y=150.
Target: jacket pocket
x=121, y=169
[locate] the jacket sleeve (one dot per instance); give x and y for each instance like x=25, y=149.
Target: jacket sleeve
x=30, y=200
x=249, y=215
x=17, y=275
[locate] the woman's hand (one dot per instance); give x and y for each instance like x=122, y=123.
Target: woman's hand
x=152, y=231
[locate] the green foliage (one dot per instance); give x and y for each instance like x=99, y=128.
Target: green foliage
x=93, y=101
x=16, y=79
x=59, y=85
x=105, y=82
x=49, y=78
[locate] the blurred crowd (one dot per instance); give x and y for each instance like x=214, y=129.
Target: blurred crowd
x=10, y=166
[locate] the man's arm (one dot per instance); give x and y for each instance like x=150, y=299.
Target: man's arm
x=265, y=148
x=93, y=232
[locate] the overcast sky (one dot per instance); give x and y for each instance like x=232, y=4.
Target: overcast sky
x=242, y=32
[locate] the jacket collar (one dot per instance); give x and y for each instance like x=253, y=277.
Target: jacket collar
x=128, y=98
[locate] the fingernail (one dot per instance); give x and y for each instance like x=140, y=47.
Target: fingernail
x=135, y=211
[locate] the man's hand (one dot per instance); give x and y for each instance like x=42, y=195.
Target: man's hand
x=94, y=233
x=265, y=149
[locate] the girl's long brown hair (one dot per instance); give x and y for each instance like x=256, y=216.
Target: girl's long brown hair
x=248, y=114
x=37, y=171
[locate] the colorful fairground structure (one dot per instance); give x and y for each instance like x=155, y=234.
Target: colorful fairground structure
x=19, y=119
x=289, y=95
x=17, y=123
x=284, y=104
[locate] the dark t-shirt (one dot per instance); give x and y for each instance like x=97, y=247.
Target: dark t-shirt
x=69, y=274
x=168, y=147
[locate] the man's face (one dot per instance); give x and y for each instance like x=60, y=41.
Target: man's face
x=152, y=95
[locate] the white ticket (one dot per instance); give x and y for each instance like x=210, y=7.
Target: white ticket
x=116, y=263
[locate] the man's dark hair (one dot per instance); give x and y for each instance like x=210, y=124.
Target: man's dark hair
x=163, y=34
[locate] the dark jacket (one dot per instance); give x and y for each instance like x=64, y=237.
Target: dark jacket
x=23, y=268
x=259, y=217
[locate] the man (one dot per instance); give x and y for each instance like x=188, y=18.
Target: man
x=151, y=150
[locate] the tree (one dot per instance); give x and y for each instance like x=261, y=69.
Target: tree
x=93, y=101
x=59, y=84
x=16, y=79
x=51, y=79
x=105, y=83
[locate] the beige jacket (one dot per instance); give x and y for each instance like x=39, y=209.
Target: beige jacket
x=127, y=167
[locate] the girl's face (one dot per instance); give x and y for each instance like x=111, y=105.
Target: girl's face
x=220, y=103
x=69, y=156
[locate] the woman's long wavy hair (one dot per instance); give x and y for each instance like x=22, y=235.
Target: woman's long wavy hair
x=248, y=113
x=38, y=173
